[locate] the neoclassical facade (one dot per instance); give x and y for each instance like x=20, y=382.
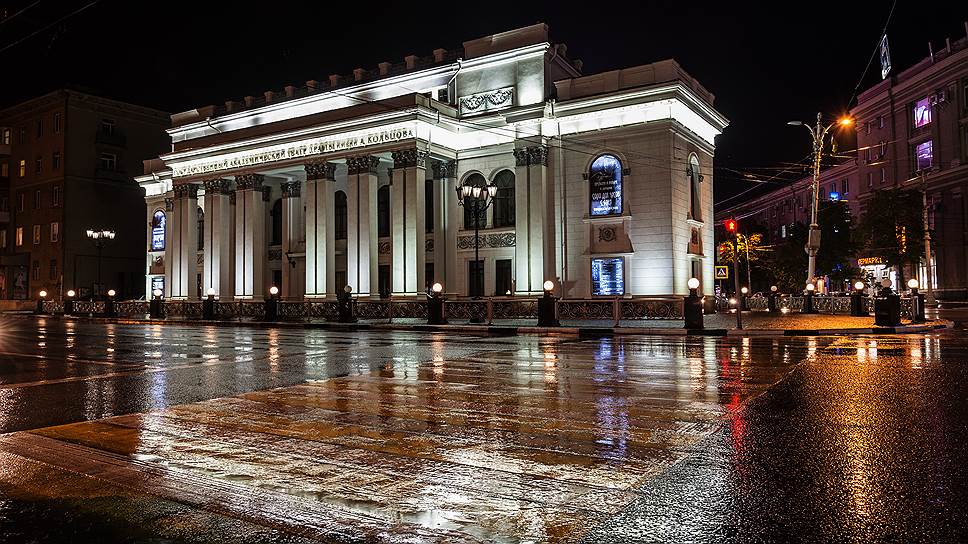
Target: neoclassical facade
x=602, y=183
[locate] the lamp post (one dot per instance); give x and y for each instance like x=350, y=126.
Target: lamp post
x=99, y=237
x=435, y=305
x=481, y=197
x=692, y=306
x=817, y=134
x=928, y=279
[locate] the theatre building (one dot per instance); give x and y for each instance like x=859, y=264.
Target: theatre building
x=601, y=183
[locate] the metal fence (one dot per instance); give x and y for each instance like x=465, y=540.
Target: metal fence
x=822, y=304
x=483, y=310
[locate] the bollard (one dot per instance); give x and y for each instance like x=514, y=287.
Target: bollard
x=345, y=306
x=435, y=306
x=40, y=303
x=887, y=307
x=208, y=305
x=156, y=308
x=547, y=307
x=771, y=301
x=692, y=306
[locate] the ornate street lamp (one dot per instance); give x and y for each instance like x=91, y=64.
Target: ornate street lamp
x=481, y=197
x=99, y=237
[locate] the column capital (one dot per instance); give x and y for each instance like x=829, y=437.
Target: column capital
x=531, y=156
x=291, y=189
x=363, y=164
x=444, y=169
x=408, y=158
x=186, y=190
x=320, y=170
x=249, y=181
x=217, y=186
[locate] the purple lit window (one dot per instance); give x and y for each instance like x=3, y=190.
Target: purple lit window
x=922, y=112
x=924, y=155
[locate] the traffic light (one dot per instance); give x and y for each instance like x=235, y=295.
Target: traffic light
x=730, y=225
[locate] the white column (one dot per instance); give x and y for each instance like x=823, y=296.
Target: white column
x=534, y=249
x=320, y=230
x=169, y=248
x=250, y=237
x=447, y=217
x=219, y=223
x=362, y=259
x=184, y=224
x=408, y=221
x=293, y=232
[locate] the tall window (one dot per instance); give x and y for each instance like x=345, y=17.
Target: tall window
x=35, y=270
x=55, y=161
x=20, y=236
x=924, y=155
x=5, y=137
x=37, y=199
x=54, y=232
x=922, y=112
x=383, y=211
x=475, y=278
x=40, y=128
x=3, y=239
x=474, y=180
x=36, y=234
x=276, y=222
x=107, y=127
x=605, y=179
x=158, y=231
x=55, y=196
x=53, y=269
x=107, y=161
x=502, y=277
x=4, y=169
x=342, y=215
x=38, y=164
x=23, y=168
x=57, y=123
x=429, y=206
x=504, y=200
x=695, y=189
x=201, y=228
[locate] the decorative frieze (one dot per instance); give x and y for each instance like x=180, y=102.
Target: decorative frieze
x=274, y=254
x=384, y=247
x=363, y=164
x=320, y=170
x=408, y=158
x=291, y=189
x=531, y=156
x=187, y=190
x=488, y=240
x=245, y=182
x=487, y=101
x=217, y=186
x=444, y=169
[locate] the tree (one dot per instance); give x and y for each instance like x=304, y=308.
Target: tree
x=893, y=228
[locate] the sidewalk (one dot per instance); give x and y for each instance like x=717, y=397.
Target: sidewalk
x=754, y=324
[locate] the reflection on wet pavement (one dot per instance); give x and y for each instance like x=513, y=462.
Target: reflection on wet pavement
x=403, y=437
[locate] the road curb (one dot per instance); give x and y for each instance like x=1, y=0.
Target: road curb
x=496, y=330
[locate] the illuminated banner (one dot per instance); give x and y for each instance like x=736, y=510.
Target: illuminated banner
x=608, y=276
x=294, y=150
x=605, y=176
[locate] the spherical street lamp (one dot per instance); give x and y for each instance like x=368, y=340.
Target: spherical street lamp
x=549, y=286
x=210, y=292
x=42, y=293
x=811, y=287
x=774, y=288
x=437, y=288
x=71, y=293
x=156, y=293
x=273, y=290
x=859, y=285
x=744, y=290
x=348, y=289
x=112, y=292
x=693, y=283
x=913, y=283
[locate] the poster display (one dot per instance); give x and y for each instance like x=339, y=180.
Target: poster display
x=605, y=178
x=608, y=276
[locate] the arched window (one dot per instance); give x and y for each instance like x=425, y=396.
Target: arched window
x=341, y=215
x=605, y=185
x=276, y=222
x=695, y=189
x=504, y=199
x=383, y=211
x=158, y=221
x=201, y=228
x=474, y=180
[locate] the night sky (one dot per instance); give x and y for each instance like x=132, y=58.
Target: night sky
x=766, y=63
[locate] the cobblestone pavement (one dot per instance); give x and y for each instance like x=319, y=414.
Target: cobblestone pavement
x=141, y=433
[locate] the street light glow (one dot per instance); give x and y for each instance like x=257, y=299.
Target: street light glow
x=859, y=285
x=43, y=294
x=71, y=293
x=913, y=283
x=744, y=290
x=437, y=288
x=693, y=283
x=112, y=292
x=846, y=121
x=549, y=285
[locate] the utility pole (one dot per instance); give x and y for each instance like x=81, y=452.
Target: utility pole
x=817, y=135
x=928, y=277
x=732, y=229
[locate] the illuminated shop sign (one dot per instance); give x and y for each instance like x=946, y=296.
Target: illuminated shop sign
x=870, y=261
x=608, y=276
x=295, y=150
x=605, y=177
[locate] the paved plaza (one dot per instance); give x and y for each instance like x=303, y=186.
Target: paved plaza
x=148, y=433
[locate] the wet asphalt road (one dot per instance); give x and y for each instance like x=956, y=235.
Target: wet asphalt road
x=141, y=433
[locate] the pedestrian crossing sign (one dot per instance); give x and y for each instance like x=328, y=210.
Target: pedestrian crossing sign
x=722, y=272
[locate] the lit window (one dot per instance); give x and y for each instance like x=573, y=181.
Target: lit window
x=36, y=234
x=20, y=236
x=605, y=178
x=4, y=169
x=158, y=231
x=54, y=232
x=608, y=276
x=23, y=168
x=924, y=155
x=108, y=161
x=5, y=137
x=922, y=112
